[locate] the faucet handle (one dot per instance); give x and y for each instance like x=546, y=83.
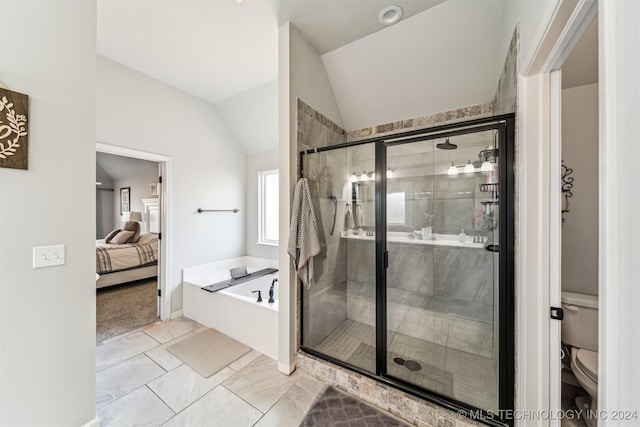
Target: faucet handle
x=259, y=295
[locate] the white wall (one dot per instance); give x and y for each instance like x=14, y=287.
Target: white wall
x=256, y=163
x=47, y=316
x=301, y=74
x=441, y=59
x=619, y=293
x=140, y=188
x=208, y=165
x=253, y=117
x=580, y=152
x=533, y=18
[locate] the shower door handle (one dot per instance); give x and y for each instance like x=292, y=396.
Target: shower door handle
x=386, y=259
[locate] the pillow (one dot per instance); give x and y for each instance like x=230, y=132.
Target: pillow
x=135, y=227
x=148, y=238
x=122, y=237
x=111, y=235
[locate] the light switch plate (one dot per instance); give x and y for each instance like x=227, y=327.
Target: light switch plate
x=48, y=256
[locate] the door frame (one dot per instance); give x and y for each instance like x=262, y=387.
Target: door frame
x=539, y=229
x=165, y=255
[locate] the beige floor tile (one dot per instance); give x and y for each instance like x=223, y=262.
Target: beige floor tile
x=286, y=412
x=245, y=360
x=260, y=383
x=120, y=379
x=164, y=332
x=219, y=407
x=139, y=408
x=122, y=349
x=167, y=360
x=183, y=386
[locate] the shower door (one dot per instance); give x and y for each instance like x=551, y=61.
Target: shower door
x=414, y=284
x=442, y=280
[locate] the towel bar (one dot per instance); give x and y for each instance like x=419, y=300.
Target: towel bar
x=218, y=210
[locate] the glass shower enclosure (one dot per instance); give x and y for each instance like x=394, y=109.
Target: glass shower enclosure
x=414, y=284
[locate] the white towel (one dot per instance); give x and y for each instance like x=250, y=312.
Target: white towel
x=359, y=217
x=303, y=233
x=348, y=219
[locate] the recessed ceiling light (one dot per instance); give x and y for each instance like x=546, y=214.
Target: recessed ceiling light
x=390, y=15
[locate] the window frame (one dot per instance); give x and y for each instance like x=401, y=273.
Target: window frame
x=262, y=176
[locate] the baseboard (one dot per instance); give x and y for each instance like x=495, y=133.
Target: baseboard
x=176, y=314
x=287, y=369
x=93, y=423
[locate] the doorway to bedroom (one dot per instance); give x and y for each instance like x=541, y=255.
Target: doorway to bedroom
x=129, y=219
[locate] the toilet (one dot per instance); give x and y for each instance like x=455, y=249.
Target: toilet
x=580, y=331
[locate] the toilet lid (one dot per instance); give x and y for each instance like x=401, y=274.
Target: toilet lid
x=588, y=363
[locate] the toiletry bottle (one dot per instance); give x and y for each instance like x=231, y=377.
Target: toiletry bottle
x=492, y=176
x=462, y=236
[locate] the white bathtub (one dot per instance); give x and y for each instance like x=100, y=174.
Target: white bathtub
x=234, y=311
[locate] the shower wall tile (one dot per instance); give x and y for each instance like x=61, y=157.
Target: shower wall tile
x=464, y=274
x=316, y=130
x=470, y=336
x=326, y=173
x=359, y=308
x=361, y=261
x=367, y=290
x=425, y=325
x=505, y=99
x=410, y=268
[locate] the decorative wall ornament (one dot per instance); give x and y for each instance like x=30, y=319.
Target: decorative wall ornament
x=13, y=129
x=567, y=186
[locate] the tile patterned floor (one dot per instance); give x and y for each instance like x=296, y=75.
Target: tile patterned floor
x=467, y=377
x=138, y=382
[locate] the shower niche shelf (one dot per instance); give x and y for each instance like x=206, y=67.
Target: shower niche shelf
x=489, y=188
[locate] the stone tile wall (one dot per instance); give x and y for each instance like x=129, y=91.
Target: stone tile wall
x=428, y=121
x=414, y=410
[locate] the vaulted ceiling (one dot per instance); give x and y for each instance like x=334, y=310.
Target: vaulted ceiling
x=441, y=54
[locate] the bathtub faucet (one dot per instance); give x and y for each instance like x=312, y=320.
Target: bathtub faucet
x=271, y=300
x=259, y=295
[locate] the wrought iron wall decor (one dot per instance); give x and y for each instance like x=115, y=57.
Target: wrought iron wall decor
x=567, y=186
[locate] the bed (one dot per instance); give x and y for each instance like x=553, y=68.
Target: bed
x=116, y=264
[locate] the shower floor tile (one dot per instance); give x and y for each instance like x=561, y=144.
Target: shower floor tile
x=466, y=377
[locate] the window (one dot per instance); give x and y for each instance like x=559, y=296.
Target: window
x=268, y=207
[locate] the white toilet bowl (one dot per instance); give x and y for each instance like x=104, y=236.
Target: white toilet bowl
x=584, y=364
x=580, y=331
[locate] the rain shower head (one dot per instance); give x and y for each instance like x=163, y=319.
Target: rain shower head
x=446, y=145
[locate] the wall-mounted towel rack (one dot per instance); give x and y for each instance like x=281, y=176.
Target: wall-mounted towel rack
x=218, y=210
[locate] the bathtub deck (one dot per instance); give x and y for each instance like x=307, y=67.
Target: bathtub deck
x=255, y=325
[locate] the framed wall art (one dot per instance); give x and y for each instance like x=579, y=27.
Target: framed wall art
x=14, y=108
x=125, y=199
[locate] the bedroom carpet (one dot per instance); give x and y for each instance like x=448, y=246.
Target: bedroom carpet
x=120, y=309
x=208, y=352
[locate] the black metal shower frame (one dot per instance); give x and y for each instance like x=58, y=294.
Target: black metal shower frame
x=505, y=126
